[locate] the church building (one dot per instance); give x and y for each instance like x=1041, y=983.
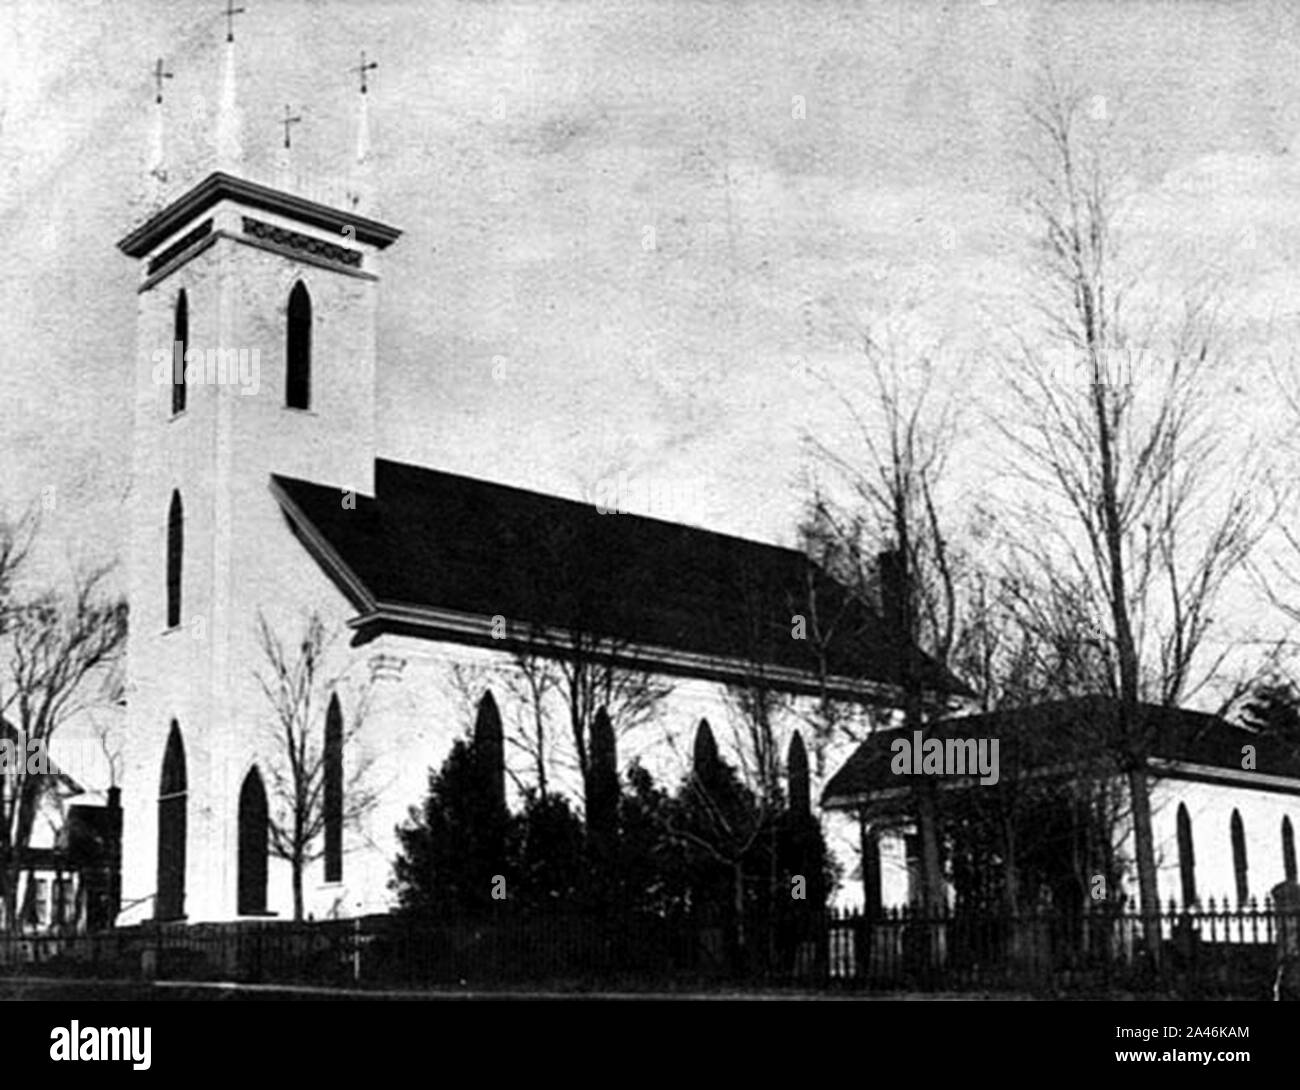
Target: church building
x=262, y=503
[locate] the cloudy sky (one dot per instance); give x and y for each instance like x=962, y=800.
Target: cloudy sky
x=792, y=163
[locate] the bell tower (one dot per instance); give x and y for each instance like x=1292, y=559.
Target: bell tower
x=255, y=355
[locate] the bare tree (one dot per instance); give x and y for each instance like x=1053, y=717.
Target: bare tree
x=530, y=688
x=293, y=680
x=54, y=643
x=904, y=430
x=1278, y=569
x=1025, y=641
x=16, y=537
x=571, y=646
x=736, y=813
x=526, y=690
x=1147, y=537
x=838, y=582
x=756, y=706
x=584, y=672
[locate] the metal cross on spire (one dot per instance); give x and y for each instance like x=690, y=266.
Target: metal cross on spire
x=363, y=68
x=287, y=122
x=231, y=12
x=159, y=74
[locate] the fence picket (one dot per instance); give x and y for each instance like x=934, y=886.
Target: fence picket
x=1211, y=948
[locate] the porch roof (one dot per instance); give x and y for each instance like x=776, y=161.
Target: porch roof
x=1061, y=736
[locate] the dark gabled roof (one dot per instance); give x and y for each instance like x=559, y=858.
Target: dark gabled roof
x=1058, y=735
x=441, y=541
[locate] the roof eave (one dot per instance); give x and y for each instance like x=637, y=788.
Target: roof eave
x=430, y=622
x=320, y=550
x=220, y=186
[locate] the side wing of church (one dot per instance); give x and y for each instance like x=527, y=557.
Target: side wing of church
x=1224, y=802
x=259, y=497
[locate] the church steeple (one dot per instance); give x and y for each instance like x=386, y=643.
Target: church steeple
x=273, y=295
x=229, y=148
x=156, y=166
x=359, y=184
x=283, y=155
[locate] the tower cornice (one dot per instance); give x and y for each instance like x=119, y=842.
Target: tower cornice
x=220, y=186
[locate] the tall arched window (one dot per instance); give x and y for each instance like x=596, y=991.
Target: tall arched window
x=1239, y=857
x=175, y=555
x=297, y=379
x=333, y=791
x=1288, y=850
x=252, y=845
x=180, y=340
x=169, y=903
x=1186, y=857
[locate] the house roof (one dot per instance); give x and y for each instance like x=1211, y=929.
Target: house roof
x=1058, y=735
x=434, y=541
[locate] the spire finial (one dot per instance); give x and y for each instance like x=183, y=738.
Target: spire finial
x=157, y=164
x=230, y=13
x=359, y=187
x=363, y=68
x=159, y=74
x=289, y=120
x=228, y=141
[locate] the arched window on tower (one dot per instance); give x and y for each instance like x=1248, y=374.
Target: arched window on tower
x=252, y=845
x=169, y=901
x=1239, y=857
x=180, y=340
x=1186, y=857
x=297, y=379
x=333, y=792
x=175, y=556
x=1288, y=850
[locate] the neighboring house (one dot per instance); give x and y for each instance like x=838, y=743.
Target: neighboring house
x=278, y=504
x=73, y=884
x=69, y=872
x=1224, y=800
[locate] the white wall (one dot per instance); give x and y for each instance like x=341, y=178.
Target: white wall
x=415, y=720
x=1210, y=808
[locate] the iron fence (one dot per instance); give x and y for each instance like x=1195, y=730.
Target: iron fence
x=1204, y=950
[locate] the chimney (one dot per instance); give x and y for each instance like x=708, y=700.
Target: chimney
x=889, y=569
x=113, y=863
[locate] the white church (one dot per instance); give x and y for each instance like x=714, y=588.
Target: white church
x=261, y=494
x=270, y=499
